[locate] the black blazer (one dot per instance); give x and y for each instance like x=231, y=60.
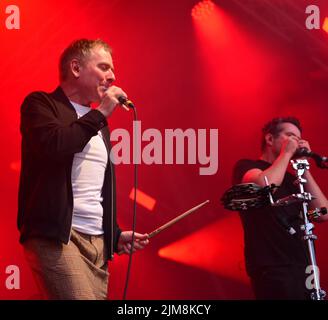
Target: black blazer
x=51, y=135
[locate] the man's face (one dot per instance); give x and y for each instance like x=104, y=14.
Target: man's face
x=96, y=74
x=288, y=130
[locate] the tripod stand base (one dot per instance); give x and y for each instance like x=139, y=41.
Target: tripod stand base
x=318, y=295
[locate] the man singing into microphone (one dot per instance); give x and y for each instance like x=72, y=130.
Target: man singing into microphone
x=276, y=260
x=67, y=209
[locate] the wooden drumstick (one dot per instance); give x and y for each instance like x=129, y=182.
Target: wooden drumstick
x=175, y=220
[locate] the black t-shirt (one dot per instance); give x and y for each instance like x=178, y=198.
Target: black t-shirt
x=267, y=242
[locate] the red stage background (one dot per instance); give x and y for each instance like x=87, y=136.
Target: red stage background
x=233, y=70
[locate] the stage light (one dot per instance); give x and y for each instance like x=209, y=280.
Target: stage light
x=203, y=10
x=143, y=199
x=217, y=248
x=325, y=25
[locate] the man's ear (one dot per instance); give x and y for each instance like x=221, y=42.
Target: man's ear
x=75, y=68
x=269, y=139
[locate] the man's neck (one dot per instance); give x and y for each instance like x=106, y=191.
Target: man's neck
x=268, y=156
x=73, y=94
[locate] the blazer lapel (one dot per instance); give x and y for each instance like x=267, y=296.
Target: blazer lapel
x=106, y=137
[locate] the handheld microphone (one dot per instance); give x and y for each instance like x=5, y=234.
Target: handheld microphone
x=320, y=161
x=124, y=101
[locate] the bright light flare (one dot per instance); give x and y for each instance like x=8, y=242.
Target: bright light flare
x=325, y=25
x=143, y=199
x=203, y=10
x=216, y=248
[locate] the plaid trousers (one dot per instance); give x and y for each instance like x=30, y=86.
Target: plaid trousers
x=76, y=271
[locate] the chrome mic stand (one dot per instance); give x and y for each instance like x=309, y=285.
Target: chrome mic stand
x=300, y=166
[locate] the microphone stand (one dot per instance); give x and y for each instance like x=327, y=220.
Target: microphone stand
x=300, y=166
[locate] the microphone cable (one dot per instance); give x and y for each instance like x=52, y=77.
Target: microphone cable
x=134, y=206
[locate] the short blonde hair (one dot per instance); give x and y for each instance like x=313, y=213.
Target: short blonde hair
x=79, y=49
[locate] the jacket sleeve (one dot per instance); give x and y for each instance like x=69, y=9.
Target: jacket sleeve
x=117, y=237
x=45, y=132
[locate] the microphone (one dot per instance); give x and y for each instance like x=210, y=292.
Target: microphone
x=320, y=161
x=124, y=101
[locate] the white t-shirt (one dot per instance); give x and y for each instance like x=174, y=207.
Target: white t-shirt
x=88, y=172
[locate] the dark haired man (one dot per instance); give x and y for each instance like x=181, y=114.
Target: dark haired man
x=277, y=261
x=66, y=209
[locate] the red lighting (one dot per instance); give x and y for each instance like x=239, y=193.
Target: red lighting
x=216, y=248
x=203, y=9
x=143, y=199
x=15, y=166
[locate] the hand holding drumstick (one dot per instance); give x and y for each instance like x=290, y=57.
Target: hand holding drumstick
x=141, y=240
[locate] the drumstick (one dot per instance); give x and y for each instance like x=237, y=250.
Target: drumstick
x=175, y=220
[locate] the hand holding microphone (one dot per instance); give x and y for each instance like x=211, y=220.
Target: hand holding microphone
x=300, y=148
x=112, y=97
x=125, y=103
x=289, y=146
